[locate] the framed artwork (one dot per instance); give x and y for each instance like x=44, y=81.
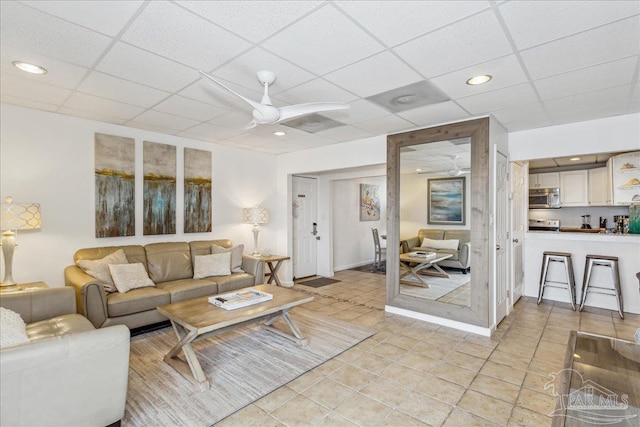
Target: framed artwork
x=197, y=191
x=369, y=203
x=447, y=201
x=159, y=188
x=115, y=185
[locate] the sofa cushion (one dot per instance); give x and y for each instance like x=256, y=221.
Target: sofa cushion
x=134, y=253
x=433, y=234
x=451, y=244
x=236, y=256
x=169, y=261
x=234, y=281
x=59, y=325
x=13, y=330
x=129, y=276
x=463, y=235
x=184, y=289
x=136, y=301
x=212, y=265
x=99, y=268
x=203, y=247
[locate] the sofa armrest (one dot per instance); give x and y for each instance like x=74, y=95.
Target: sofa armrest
x=255, y=267
x=91, y=298
x=73, y=380
x=464, y=257
x=413, y=242
x=40, y=304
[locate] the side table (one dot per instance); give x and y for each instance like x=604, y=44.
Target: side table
x=273, y=270
x=21, y=287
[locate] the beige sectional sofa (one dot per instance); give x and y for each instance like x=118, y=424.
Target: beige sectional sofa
x=68, y=373
x=461, y=253
x=170, y=265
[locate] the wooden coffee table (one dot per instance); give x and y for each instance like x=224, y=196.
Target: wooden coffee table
x=197, y=319
x=422, y=263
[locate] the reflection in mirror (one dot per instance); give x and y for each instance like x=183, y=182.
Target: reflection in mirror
x=434, y=213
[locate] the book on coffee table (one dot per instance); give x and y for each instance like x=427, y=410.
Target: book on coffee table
x=233, y=300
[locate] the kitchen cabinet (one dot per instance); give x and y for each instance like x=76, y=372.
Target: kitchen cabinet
x=574, y=188
x=544, y=180
x=600, y=187
x=626, y=178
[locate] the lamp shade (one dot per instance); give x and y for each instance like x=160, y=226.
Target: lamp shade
x=20, y=216
x=255, y=215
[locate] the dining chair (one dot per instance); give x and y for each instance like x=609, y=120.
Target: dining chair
x=380, y=251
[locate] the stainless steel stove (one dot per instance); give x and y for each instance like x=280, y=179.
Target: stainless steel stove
x=544, y=225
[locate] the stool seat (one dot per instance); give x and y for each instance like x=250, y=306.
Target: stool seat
x=614, y=289
x=570, y=284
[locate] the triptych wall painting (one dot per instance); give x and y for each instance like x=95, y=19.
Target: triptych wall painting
x=115, y=188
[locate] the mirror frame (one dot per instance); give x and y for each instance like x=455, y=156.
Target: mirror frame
x=478, y=313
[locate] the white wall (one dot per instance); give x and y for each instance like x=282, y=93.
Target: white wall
x=48, y=158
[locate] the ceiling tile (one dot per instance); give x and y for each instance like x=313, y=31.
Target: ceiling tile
x=588, y=106
x=204, y=90
x=385, y=125
x=535, y=22
x=234, y=120
x=472, y=41
x=32, y=90
x=345, y=133
x=323, y=41
x=360, y=111
x=91, y=116
x=375, y=74
x=243, y=69
x=94, y=104
x=106, y=86
x=415, y=17
x=253, y=20
x=603, y=44
x=505, y=71
x=59, y=73
x=317, y=90
x=210, y=131
x=434, y=114
x=189, y=108
x=146, y=68
x=30, y=30
x=185, y=37
x=149, y=127
x=588, y=79
x=167, y=121
x=107, y=17
x=24, y=102
x=523, y=117
x=500, y=99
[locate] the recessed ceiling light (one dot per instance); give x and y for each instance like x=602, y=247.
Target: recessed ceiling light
x=478, y=80
x=29, y=68
x=574, y=159
x=279, y=133
x=419, y=170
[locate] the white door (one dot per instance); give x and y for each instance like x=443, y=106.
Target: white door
x=304, y=232
x=517, y=231
x=502, y=238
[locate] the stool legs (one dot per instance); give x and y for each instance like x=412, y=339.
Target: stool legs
x=612, y=263
x=565, y=259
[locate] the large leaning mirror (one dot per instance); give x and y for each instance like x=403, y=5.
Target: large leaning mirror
x=438, y=205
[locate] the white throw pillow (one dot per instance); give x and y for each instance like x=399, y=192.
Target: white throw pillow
x=236, y=256
x=451, y=244
x=130, y=276
x=212, y=265
x=13, y=330
x=99, y=268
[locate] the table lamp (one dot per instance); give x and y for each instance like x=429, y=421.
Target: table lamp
x=14, y=217
x=255, y=216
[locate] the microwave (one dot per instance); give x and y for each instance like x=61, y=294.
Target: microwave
x=544, y=198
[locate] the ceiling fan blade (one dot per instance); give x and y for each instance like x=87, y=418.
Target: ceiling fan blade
x=292, y=111
x=256, y=105
x=250, y=125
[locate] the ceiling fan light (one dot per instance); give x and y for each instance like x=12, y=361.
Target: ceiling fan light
x=29, y=68
x=478, y=80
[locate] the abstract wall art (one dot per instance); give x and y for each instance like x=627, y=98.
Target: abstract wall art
x=446, y=201
x=159, y=188
x=114, y=185
x=197, y=191
x=369, y=203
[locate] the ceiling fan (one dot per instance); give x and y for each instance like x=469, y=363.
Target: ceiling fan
x=265, y=113
x=456, y=171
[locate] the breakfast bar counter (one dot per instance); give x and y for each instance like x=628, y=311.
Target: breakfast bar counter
x=624, y=246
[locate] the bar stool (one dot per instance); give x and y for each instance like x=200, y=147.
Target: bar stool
x=603, y=261
x=570, y=284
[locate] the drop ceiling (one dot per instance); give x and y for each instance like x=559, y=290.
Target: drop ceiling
x=136, y=63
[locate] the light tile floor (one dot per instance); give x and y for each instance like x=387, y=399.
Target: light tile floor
x=413, y=373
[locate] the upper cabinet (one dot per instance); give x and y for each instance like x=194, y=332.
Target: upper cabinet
x=626, y=178
x=574, y=188
x=544, y=180
x=600, y=186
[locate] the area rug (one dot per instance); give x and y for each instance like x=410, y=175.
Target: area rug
x=320, y=281
x=242, y=366
x=438, y=286
x=371, y=268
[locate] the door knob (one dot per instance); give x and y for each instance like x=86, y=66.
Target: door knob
x=497, y=247
x=515, y=240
